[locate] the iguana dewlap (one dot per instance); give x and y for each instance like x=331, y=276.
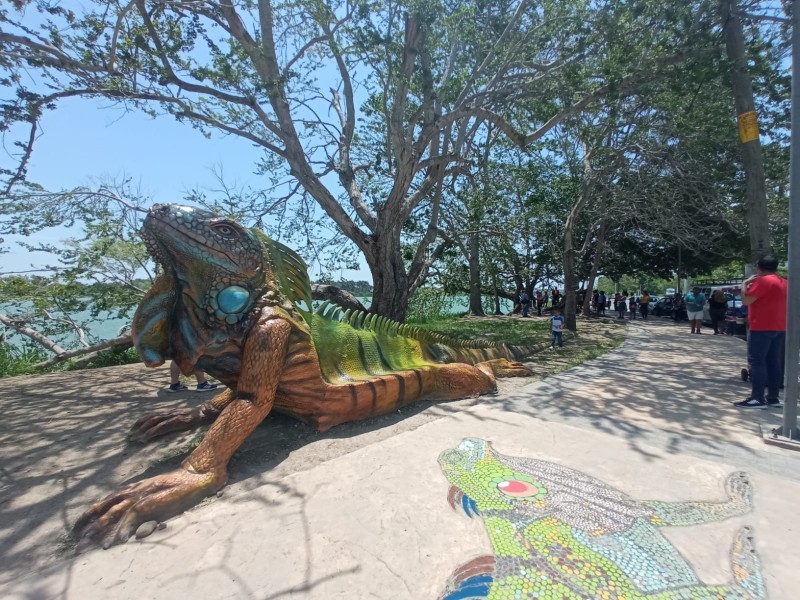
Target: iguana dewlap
x=236, y=304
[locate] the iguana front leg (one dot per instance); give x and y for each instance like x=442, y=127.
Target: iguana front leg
x=678, y=514
x=117, y=516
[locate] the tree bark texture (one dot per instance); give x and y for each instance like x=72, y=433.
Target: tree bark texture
x=336, y=295
x=391, y=285
x=752, y=156
x=475, y=300
x=596, y=261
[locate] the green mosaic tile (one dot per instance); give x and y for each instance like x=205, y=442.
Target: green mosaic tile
x=560, y=534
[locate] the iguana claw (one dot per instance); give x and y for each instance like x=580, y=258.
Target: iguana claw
x=115, y=518
x=155, y=425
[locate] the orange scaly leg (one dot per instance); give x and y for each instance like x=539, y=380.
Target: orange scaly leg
x=153, y=425
x=117, y=516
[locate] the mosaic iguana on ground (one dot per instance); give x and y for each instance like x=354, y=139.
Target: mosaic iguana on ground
x=560, y=534
x=237, y=305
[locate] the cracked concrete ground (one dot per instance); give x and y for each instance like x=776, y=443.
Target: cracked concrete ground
x=361, y=512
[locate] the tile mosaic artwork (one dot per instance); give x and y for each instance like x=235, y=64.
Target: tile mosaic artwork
x=559, y=534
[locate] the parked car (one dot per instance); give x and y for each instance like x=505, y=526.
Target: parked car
x=663, y=308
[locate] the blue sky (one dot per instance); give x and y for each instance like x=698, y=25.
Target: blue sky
x=85, y=141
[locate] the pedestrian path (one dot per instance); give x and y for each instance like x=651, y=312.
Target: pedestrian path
x=397, y=509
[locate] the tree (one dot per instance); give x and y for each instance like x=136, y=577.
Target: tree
x=366, y=109
x=751, y=152
x=102, y=274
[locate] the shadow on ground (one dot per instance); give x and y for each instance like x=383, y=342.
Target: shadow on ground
x=62, y=444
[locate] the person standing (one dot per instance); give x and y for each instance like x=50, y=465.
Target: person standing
x=695, y=301
x=539, y=302
x=677, y=306
x=175, y=384
x=557, y=329
x=644, y=304
x=620, y=305
x=764, y=295
x=525, y=301
x=601, y=304
x=633, y=305
x=717, y=307
x=556, y=297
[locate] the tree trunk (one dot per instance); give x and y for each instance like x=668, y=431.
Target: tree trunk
x=569, y=282
x=598, y=253
x=475, y=304
x=570, y=279
x=752, y=157
x=497, y=309
x=390, y=282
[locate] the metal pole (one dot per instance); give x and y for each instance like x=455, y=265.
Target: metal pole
x=789, y=428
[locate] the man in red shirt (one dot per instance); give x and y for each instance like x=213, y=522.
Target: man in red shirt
x=764, y=294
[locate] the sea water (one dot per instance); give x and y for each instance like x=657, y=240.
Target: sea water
x=99, y=329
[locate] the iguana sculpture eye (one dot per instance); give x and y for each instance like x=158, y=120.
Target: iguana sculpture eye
x=225, y=230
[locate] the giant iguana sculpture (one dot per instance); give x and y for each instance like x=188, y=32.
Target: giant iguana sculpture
x=237, y=305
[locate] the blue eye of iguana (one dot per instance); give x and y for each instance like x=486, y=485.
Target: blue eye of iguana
x=233, y=299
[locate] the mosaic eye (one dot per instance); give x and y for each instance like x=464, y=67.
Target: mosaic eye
x=518, y=489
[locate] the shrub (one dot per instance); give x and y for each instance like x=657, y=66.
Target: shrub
x=18, y=361
x=428, y=304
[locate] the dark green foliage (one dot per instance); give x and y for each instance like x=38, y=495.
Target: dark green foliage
x=110, y=357
x=19, y=361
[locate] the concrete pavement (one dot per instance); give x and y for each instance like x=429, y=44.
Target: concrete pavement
x=362, y=512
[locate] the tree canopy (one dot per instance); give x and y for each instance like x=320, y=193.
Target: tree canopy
x=530, y=140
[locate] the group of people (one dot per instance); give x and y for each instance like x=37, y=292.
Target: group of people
x=539, y=301
x=622, y=303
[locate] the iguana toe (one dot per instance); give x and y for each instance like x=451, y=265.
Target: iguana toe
x=154, y=425
x=739, y=487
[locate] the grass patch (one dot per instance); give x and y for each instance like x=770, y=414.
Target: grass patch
x=594, y=338
x=510, y=330
x=110, y=357
x=19, y=361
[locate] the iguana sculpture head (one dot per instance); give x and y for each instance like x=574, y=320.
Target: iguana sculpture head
x=215, y=258
x=525, y=489
x=212, y=274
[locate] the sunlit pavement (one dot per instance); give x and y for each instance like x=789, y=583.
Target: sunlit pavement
x=362, y=512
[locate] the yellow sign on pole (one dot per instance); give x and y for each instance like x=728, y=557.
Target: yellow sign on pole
x=748, y=127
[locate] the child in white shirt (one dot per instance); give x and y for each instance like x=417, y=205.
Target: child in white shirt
x=557, y=329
